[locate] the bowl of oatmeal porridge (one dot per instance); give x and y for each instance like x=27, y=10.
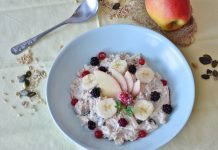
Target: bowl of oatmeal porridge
x=120, y=87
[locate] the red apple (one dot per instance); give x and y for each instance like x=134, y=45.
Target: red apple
x=169, y=14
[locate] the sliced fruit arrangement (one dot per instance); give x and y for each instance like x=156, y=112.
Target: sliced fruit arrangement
x=114, y=91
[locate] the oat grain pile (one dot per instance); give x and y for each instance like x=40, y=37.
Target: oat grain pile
x=28, y=96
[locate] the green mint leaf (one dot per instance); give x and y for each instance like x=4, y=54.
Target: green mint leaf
x=118, y=104
x=129, y=111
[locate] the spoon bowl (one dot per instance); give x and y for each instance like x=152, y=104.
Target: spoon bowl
x=84, y=12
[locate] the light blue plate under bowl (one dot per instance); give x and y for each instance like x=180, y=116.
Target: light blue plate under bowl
x=163, y=56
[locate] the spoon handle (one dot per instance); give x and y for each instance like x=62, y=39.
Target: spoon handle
x=17, y=49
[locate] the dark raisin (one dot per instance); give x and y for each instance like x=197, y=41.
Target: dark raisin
x=155, y=96
x=205, y=76
x=209, y=72
x=207, y=56
x=205, y=60
x=102, y=68
x=31, y=94
x=214, y=63
x=94, y=61
x=116, y=6
x=132, y=69
x=215, y=73
x=91, y=125
x=96, y=92
x=27, y=82
x=28, y=74
x=167, y=108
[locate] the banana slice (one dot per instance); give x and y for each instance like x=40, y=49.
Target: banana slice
x=144, y=74
x=89, y=82
x=119, y=65
x=106, y=108
x=143, y=109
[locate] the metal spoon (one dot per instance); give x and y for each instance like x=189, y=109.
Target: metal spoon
x=86, y=10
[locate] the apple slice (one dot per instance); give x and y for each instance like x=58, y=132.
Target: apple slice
x=109, y=86
x=136, y=88
x=129, y=81
x=120, y=78
x=134, y=78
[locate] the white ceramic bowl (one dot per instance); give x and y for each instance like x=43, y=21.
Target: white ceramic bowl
x=162, y=56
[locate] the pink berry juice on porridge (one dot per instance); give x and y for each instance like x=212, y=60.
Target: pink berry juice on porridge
x=119, y=97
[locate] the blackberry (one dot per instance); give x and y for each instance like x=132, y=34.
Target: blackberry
x=132, y=69
x=94, y=61
x=96, y=92
x=91, y=125
x=102, y=68
x=155, y=96
x=167, y=108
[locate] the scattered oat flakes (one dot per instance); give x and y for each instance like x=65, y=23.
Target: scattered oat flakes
x=26, y=58
x=123, y=11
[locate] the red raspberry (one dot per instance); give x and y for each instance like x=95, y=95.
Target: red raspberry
x=74, y=101
x=164, y=82
x=142, y=133
x=98, y=134
x=123, y=122
x=84, y=73
x=102, y=55
x=125, y=98
x=141, y=61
